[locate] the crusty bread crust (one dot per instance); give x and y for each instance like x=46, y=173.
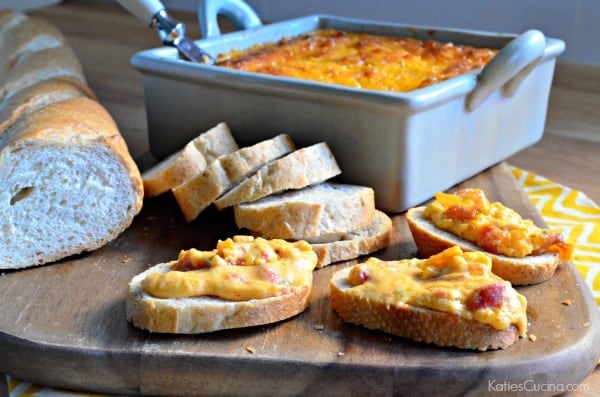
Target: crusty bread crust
x=519, y=271
x=38, y=96
x=46, y=64
x=174, y=170
x=197, y=193
x=190, y=161
x=419, y=324
x=296, y=170
x=207, y=314
x=366, y=240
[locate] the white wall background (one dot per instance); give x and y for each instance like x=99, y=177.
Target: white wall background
x=577, y=22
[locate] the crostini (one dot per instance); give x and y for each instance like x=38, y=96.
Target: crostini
x=244, y=281
x=521, y=252
x=449, y=299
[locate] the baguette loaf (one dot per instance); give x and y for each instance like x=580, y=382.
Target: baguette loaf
x=183, y=312
x=324, y=211
x=67, y=183
x=196, y=194
x=299, y=169
x=478, y=311
x=430, y=240
x=366, y=240
x=189, y=161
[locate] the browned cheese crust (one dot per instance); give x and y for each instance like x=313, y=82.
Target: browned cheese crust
x=519, y=271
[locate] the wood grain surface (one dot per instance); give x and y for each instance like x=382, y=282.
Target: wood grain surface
x=63, y=325
x=70, y=316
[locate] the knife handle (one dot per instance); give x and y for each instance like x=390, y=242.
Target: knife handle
x=143, y=9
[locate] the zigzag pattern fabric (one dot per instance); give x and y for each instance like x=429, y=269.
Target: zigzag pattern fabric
x=575, y=215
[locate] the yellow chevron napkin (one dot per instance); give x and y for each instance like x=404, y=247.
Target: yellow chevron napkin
x=562, y=208
x=575, y=215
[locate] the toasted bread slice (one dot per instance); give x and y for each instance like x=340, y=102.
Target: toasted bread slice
x=388, y=304
x=210, y=312
x=325, y=211
x=519, y=271
x=366, y=240
x=196, y=194
x=299, y=169
x=190, y=161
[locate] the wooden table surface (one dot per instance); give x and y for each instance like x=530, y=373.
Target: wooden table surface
x=105, y=36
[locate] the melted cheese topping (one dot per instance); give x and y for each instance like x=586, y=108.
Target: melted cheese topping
x=360, y=60
x=492, y=226
x=239, y=269
x=453, y=281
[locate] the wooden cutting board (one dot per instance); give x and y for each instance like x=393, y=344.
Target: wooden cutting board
x=64, y=325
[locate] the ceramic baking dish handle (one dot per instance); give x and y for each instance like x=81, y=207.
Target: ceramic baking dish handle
x=240, y=14
x=509, y=67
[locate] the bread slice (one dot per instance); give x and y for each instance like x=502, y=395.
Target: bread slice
x=201, y=314
x=216, y=142
x=197, y=193
x=174, y=170
x=190, y=161
x=67, y=184
x=366, y=240
x=401, y=316
x=301, y=168
x=519, y=271
x=325, y=210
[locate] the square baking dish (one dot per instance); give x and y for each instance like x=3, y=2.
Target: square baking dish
x=407, y=146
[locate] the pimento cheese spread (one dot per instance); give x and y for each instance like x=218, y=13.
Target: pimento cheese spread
x=360, y=60
x=492, y=226
x=453, y=281
x=239, y=269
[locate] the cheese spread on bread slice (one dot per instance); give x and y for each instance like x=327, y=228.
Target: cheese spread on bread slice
x=240, y=268
x=449, y=299
x=243, y=282
x=493, y=227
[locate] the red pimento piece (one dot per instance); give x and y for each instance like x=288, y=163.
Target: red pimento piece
x=461, y=213
x=491, y=238
x=268, y=274
x=489, y=296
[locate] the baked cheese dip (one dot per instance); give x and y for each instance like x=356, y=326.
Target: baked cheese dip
x=493, y=227
x=238, y=269
x=360, y=60
x=453, y=281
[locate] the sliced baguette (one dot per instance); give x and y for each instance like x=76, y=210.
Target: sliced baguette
x=519, y=271
x=196, y=194
x=325, y=211
x=301, y=168
x=216, y=142
x=189, y=161
x=366, y=240
x=174, y=170
x=417, y=323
